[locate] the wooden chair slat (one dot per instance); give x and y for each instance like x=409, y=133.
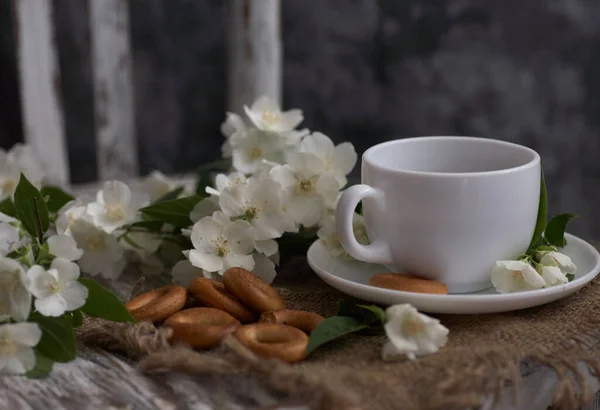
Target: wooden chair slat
x=113, y=89
x=254, y=52
x=43, y=120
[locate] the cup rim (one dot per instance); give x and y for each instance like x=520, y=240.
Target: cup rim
x=535, y=159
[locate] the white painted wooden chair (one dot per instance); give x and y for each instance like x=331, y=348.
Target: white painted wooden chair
x=254, y=61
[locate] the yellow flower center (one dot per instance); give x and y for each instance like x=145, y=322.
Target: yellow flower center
x=413, y=326
x=8, y=186
x=255, y=153
x=270, y=117
x=53, y=286
x=221, y=246
x=94, y=243
x=7, y=347
x=236, y=182
x=251, y=212
x=114, y=212
x=517, y=275
x=306, y=187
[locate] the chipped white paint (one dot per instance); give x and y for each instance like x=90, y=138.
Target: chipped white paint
x=113, y=89
x=254, y=51
x=40, y=86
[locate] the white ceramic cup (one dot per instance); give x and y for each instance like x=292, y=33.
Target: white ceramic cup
x=444, y=207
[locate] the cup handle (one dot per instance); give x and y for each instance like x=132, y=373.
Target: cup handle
x=376, y=252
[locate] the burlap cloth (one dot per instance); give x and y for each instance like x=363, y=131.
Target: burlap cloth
x=484, y=354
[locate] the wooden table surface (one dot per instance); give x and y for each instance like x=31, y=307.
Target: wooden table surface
x=101, y=380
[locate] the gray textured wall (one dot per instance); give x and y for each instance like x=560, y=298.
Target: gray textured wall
x=364, y=71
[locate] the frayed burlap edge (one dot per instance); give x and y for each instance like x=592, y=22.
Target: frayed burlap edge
x=151, y=345
x=483, y=376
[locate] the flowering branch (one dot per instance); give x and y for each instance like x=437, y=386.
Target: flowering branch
x=542, y=265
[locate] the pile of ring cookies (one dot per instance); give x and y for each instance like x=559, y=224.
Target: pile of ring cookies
x=243, y=305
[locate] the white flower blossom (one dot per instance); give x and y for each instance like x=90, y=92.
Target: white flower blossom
x=16, y=347
x=328, y=235
x=310, y=189
x=411, y=333
x=56, y=290
x=264, y=268
x=220, y=244
x=339, y=160
x=267, y=247
x=70, y=214
x=10, y=237
x=20, y=159
x=553, y=275
x=249, y=153
x=102, y=254
x=513, y=276
x=145, y=243
x=15, y=299
x=116, y=205
x=156, y=185
x=184, y=273
x=65, y=247
x=266, y=115
x=260, y=203
x=560, y=260
x=233, y=124
x=263, y=169
x=223, y=181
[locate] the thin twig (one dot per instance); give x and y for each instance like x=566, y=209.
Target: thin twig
x=39, y=220
x=137, y=286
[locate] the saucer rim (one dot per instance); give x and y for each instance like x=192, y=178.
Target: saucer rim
x=473, y=297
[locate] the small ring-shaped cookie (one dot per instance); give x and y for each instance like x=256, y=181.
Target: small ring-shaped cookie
x=252, y=291
x=213, y=294
x=202, y=327
x=274, y=340
x=158, y=304
x=300, y=319
x=407, y=283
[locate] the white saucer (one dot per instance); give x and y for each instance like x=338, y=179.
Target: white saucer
x=351, y=278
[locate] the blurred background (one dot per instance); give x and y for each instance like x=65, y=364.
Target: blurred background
x=363, y=71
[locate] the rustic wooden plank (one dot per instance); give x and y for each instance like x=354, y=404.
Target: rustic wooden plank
x=40, y=86
x=254, y=51
x=113, y=89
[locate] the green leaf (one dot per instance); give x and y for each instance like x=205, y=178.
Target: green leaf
x=58, y=339
x=545, y=248
x=368, y=314
x=104, y=304
x=555, y=230
x=170, y=195
x=151, y=226
x=540, y=225
x=570, y=276
x=7, y=207
x=175, y=211
x=55, y=197
x=332, y=328
x=77, y=318
x=376, y=310
x=31, y=209
x=43, y=366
